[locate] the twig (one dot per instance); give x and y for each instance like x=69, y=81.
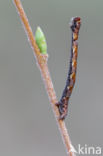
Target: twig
x=42, y=64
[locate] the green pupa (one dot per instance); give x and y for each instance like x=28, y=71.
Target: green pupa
x=41, y=41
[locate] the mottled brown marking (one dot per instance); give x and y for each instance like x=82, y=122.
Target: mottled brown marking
x=63, y=103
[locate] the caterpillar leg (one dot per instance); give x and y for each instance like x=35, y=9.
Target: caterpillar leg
x=62, y=110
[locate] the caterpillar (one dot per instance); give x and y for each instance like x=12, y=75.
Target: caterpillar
x=41, y=41
x=63, y=103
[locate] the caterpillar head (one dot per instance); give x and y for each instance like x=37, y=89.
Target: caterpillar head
x=75, y=24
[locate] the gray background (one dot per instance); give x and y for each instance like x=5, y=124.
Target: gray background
x=27, y=123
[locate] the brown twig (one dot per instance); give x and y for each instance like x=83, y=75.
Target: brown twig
x=42, y=64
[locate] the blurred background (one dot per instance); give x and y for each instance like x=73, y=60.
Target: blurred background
x=27, y=123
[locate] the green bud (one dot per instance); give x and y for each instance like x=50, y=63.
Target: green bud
x=41, y=41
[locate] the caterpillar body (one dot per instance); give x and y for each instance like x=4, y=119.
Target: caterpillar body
x=63, y=103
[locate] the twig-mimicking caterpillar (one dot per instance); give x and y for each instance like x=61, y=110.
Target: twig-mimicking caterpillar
x=63, y=103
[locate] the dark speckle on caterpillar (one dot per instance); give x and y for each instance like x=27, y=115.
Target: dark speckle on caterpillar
x=63, y=103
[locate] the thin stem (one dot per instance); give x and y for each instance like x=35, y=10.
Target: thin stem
x=42, y=64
